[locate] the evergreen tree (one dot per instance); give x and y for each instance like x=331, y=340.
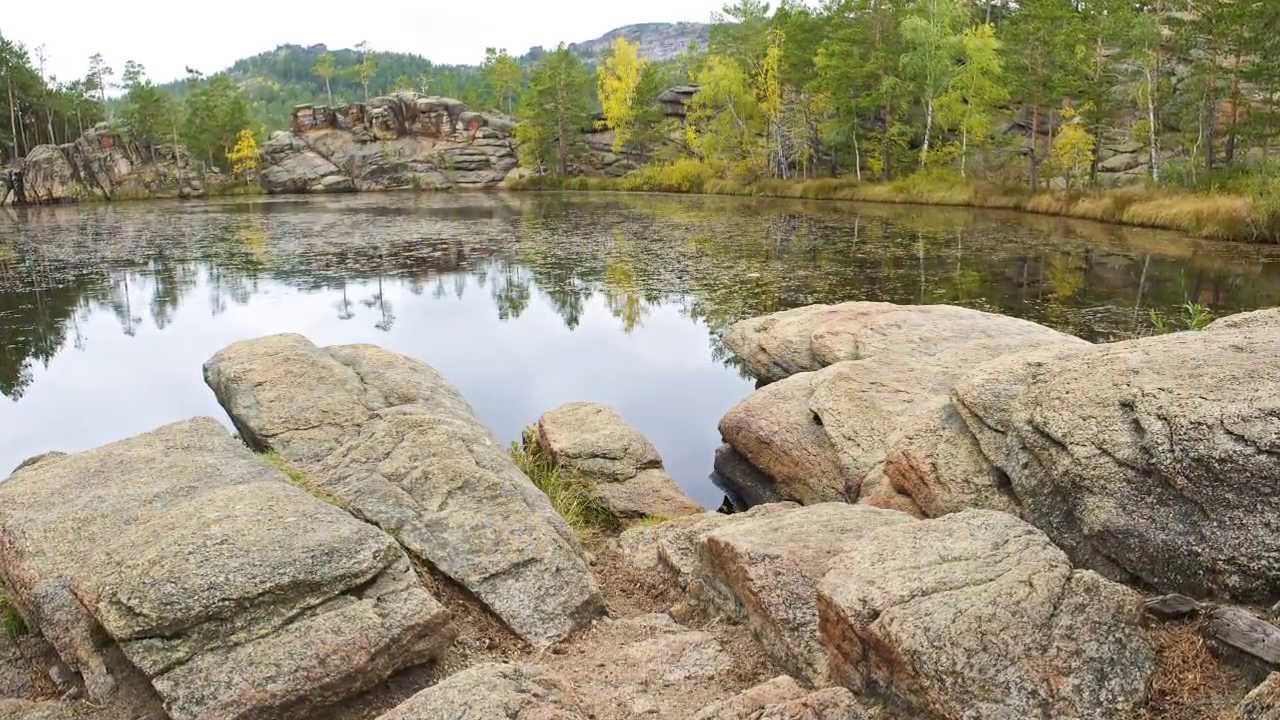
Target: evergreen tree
x=554, y=110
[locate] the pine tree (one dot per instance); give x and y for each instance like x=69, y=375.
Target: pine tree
x=554, y=110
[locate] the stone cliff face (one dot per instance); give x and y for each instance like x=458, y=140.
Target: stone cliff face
x=402, y=141
x=107, y=165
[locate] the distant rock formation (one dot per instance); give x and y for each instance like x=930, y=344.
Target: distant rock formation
x=401, y=141
x=106, y=164
x=657, y=41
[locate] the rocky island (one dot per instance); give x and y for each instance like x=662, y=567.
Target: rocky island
x=942, y=514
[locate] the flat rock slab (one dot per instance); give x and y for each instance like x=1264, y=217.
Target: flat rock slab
x=1152, y=461
x=592, y=442
x=810, y=338
x=493, y=691
x=977, y=615
x=783, y=699
x=771, y=566
x=399, y=447
x=235, y=593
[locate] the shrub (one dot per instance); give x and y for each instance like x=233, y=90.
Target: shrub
x=686, y=175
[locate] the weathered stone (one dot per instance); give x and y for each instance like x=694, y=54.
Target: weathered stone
x=745, y=485
x=593, y=443
x=673, y=549
x=1121, y=162
x=46, y=710
x=235, y=593
x=1171, y=607
x=36, y=459
x=978, y=615
x=1154, y=460
x=290, y=166
x=771, y=566
x=489, y=692
x=884, y=371
x=398, y=446
x=400, y=141
x=106, y=164
x=782, y=699
x=944, y=339
x=1262, y=703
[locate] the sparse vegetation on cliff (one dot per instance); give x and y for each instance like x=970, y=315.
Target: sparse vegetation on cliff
x=11, y=622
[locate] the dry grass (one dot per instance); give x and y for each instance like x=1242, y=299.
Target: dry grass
x=571, y=498
x=1218, y=216
x=1190, y=683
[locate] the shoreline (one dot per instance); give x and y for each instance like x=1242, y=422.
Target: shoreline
x=1207, y=216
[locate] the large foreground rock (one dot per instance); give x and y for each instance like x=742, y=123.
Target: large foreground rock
x=593, y=443
x=398, y=446
x=1154, y=461
x=771, y=565
x=977, y=615
x=235, y=593
x=851, y=382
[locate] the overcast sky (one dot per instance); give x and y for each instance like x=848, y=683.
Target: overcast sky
x=167, y=36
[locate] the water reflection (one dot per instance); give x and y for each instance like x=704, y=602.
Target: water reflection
x=106, y=312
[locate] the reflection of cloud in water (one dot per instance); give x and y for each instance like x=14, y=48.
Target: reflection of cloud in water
x=107, y=312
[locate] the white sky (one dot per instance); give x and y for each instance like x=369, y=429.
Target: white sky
x=167, y=36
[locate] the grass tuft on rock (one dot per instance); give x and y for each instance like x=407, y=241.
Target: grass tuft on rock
x=11, y=622
x=571, y=498
x=300, y=479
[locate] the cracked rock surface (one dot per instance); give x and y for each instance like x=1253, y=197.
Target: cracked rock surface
x=1154, y=461
x=399, y=447
x=234, y=593
x=978, y=615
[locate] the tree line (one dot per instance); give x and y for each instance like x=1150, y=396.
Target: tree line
x=878, y=89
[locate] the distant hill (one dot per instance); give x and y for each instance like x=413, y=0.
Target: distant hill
x=657, y=41
x=277, y=80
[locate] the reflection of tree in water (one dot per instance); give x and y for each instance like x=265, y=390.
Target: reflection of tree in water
x=718, y=260
x=379, y=300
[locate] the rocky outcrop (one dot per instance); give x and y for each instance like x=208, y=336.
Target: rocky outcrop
x=594, y=444
x=394, y=443
x=845, y=379
x=105, y=164
x=1154, y=461
x=771, y=566
x=655, y=42
x=401, y=141
x=235, y=593
x=978, y=615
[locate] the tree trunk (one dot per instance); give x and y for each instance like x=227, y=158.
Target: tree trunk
x=1153, y=148
x=857, y=153
x=964, y=147
x=928, y=129
x=13, y=119
x=1035, y=140
x=328, y=91
x=1229, y=155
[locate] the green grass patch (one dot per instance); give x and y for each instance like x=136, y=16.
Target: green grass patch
x=11, y=622
x=572, y=499
x=300, y=479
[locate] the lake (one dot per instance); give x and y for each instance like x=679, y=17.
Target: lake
x=527, y=301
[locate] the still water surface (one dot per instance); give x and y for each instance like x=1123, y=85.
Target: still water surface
x=528, y=301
